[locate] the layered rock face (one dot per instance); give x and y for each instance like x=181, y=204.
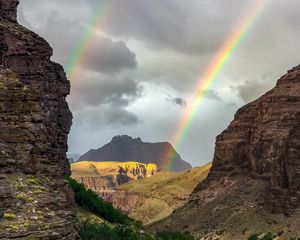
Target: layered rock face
x=106, y=187
x=125, y=148
x=263, y=141
x=107, y=180
x=254, y=183
x=34, y=124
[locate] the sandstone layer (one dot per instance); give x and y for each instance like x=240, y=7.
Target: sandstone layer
x=35, y=201
x=254, y=182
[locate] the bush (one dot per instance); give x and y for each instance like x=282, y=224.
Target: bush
x=90, y=231
x=91, y=202
x=9, y=216
x=174, y=236
x=268, y=236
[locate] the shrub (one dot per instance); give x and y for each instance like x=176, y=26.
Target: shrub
x=32, y=181
x=90, y=231
x=9, y=216
x=174, y=236
x=267, y=236
x=253, y=237
x=20, y=197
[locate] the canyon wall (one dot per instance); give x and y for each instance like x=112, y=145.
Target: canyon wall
x=254, y=183
x=263, y=141
x=35, y=201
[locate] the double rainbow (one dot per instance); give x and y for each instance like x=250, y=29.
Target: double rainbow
x=206, y=81
x=83, y=45
x=209, y=77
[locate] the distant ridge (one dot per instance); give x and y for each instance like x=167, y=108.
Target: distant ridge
x=125, y=148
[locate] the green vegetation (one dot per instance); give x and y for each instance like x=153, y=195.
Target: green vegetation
x=99, y=220
x=166, y=191
x=9, y=216
x=21, y=197
x=32, y=181
x=90, y=231
x=267, y=236
x=175, y=236
x=90, y=201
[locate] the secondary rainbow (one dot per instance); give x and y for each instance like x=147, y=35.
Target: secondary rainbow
x=81, y=49
x=213, y=71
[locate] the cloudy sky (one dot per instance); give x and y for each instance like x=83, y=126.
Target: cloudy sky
x=145, y=57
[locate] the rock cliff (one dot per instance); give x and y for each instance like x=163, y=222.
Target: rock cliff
x=105, y=178
x=35, y=201
x=263, y=141
x=107, y=187
x=255, y=172
x=125, y=148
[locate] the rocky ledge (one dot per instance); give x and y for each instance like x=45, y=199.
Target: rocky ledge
x=35, y=201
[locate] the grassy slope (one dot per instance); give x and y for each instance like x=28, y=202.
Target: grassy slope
x=98, y=220
x=234, y=214
x=166, y=191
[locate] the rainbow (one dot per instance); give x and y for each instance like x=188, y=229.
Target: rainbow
x=213, y=71
x=82, y=46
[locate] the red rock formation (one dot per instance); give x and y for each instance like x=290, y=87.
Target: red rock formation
x=255, y=172
x=34, y=124
x=263, y=141
x=106, y=187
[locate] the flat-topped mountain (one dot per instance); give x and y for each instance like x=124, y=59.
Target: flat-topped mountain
x=254, y=183
x=125, y=149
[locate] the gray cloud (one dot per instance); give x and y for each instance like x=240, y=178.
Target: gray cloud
x=174, y=24
x=104, y=116
x=109, y=56
x=252, y=89
x=163, y=45
x=98, y=89
x=212, y=94
x=179, y=101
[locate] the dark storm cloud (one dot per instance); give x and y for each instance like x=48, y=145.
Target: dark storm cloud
x=104, y=55
x=189, y=26
x=115, y=91
x=177, y=101
x=110, y=56
x=106, y=116
x=174, y=41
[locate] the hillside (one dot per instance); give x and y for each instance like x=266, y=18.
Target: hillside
x=253, y=185
x=164, y=192
x=98, y=220
x=126, y=149
x=151, y=197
